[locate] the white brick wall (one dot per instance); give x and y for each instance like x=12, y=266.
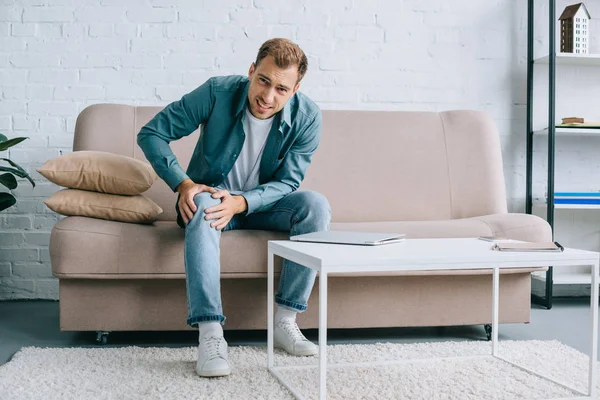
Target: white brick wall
x=57, y=57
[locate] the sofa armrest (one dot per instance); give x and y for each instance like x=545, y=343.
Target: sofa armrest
x=526, y=227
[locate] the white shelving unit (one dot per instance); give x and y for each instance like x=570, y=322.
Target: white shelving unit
x=567, y=68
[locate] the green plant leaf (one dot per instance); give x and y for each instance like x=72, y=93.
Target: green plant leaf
x=6, y=200
x=3, y=138
x=14, y=164
x=18, y=172
x=9, y=181
x=10, y=143
x=14, y=171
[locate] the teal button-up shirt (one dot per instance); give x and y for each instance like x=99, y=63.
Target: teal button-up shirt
x=218, y=107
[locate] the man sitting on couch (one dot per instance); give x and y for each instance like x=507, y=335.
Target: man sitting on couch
x=258, y=138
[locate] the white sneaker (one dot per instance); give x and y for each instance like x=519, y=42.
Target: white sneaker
x=212, y=357
x=287, y=336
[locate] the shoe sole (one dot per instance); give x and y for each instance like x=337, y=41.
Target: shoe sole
x=304, y=354
x=215, y=373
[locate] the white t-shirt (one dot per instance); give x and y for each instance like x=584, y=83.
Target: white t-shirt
x=244, y=174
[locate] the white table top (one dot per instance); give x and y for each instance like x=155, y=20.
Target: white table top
x=422, y=254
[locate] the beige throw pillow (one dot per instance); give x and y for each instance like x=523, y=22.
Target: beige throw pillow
x=99, y=171
x=113, y=207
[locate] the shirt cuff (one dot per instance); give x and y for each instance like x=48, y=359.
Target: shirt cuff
x=175, y=177
x=254, y=201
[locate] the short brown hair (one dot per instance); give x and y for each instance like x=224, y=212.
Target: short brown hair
x=285, y=53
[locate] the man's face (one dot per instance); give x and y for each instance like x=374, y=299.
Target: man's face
x=270, y=87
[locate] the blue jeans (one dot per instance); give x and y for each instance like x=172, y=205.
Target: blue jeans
x=297, y=213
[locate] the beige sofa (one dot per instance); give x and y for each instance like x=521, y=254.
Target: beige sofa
x=425, y=174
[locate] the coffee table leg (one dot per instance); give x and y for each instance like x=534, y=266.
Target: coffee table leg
x=322, y=335
x=495, y=294
x=592, y=389
x=270, y=310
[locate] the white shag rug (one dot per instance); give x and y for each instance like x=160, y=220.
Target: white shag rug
x=168, y=373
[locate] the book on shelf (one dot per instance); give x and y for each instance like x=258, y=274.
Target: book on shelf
x=573, y=120
x=576, y=201
x=576, y=194
x=528, y=246
x=576, y=197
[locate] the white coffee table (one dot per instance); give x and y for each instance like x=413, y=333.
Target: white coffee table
x=419, y=255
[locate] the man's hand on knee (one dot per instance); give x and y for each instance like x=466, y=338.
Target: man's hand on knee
x=187, y=190
x=222, y=213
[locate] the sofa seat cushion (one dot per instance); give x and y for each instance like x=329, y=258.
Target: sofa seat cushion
x=88, y=246
x=82, y=247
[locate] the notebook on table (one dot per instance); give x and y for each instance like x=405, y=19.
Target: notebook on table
x=350, y=237
x=528, y=246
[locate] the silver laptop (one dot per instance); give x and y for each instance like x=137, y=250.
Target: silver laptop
x=348, y=237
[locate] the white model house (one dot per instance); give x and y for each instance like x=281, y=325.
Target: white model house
x=574, y=29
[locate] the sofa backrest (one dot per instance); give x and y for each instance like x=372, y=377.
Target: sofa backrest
x=371, y=165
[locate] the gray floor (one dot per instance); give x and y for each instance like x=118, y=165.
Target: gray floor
x=35, y=323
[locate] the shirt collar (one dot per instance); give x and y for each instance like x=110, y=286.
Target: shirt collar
x=286, y=113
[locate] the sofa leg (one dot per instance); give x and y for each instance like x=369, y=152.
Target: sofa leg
x=488, y=331
x=102, y=337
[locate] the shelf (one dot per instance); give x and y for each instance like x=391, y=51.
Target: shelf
x=571, y=59
x=586, y=125
x=582, y=131
x=570, y=206
x=570, y=278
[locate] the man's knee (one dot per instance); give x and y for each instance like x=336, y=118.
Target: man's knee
x=203, y=201
x=317, y=202
x=316, y=207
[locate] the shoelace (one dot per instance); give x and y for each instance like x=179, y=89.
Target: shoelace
x=291, y=328
x=213, y=348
